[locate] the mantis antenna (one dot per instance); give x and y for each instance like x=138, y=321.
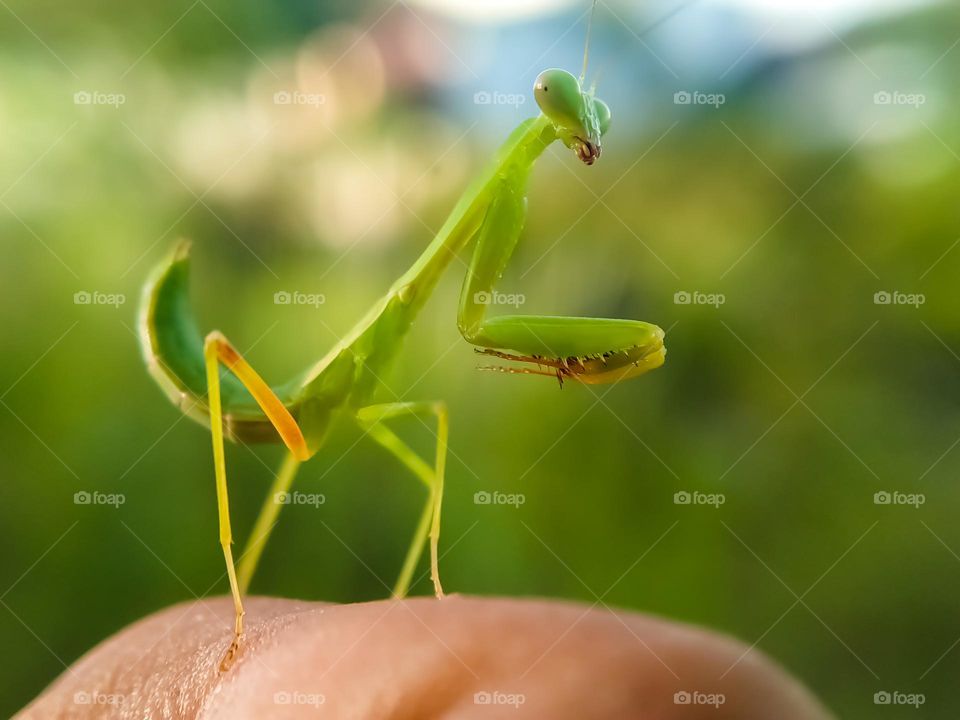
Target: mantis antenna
x=586, y=43
x=595, y=82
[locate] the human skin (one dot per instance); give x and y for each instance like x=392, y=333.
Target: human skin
x=457, y=658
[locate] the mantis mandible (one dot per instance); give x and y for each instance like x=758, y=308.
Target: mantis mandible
x=341, y=386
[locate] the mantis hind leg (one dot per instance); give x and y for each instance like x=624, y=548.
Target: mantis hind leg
x=217, y=349
x=371, y=418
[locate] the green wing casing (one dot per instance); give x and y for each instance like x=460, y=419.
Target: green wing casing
x=172, y=347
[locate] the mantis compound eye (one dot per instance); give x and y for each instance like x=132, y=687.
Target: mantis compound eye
x=603, y=115
x=559, y=96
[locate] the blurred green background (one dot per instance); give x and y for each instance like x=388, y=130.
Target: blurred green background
x=780, y=163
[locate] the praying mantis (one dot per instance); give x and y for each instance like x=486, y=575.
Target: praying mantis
x=341, y=386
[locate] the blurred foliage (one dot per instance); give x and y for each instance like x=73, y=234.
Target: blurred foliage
x=798, y=398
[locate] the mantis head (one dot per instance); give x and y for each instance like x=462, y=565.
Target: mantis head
x=579, y=117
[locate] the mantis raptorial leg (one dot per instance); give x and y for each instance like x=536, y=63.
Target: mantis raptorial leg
x=588, y=350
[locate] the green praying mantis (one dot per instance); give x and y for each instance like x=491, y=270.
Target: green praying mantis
x=341, y=386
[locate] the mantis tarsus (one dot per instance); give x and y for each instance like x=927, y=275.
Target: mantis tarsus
x=490, y=214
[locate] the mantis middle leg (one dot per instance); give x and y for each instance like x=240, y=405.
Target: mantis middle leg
x=266, y=520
